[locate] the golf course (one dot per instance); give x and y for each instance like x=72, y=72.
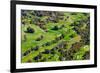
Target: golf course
x=48, y=36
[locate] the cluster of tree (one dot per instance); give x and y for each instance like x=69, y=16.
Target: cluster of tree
x=35, y=16
x=68, y=54
x=52, y=51
x=64, y=55
x=45, y=44
x=84, y=33
x=30, y=50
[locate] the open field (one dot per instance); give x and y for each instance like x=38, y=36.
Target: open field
x=54, y=36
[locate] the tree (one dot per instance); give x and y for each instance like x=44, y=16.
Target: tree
x=30, y=30
x=55, y=28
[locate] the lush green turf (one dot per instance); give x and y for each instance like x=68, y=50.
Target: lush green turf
x=29, y=39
